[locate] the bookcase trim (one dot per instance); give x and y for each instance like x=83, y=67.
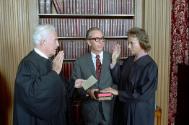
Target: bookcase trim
x=128, y=16
x=83, y=38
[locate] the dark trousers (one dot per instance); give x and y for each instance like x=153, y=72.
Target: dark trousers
x=96, y=117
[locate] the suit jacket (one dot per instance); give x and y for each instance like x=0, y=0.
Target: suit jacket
x=84, y=68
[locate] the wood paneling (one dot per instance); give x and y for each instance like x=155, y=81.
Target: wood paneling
x=15, y=36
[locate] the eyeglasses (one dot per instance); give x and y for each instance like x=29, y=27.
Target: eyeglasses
x=97, y=39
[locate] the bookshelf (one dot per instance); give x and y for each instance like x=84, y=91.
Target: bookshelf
x=72, y=18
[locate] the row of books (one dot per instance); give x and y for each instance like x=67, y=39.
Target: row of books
x=77, y=27
x=67, y=69
x=76, y=48
x=74, y=27
x=87, y=6
x=45, y=6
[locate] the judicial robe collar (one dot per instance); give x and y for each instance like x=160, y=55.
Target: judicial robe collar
x=40, y=53
x=142, y=60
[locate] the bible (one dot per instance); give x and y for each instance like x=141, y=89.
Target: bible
x=103, y=96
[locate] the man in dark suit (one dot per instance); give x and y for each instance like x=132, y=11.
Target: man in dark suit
x=95, y=112
x=40, y=93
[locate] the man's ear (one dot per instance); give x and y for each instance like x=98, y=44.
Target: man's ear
x=88, y=42
x=43, y=42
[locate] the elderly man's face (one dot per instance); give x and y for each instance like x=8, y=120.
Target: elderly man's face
x=51, y=44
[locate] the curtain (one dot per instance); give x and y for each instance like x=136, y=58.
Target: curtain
x=179, y=49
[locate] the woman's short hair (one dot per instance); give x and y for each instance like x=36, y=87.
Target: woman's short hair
x=142, y=36
x=41, y=32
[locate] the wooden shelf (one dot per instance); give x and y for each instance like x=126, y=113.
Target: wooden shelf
x=74, y=18
x=115, y=37
x=72, y=38
x=83, y=38
x=128, y=16
x=70, y=60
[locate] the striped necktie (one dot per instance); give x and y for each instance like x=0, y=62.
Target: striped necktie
x=98, y=67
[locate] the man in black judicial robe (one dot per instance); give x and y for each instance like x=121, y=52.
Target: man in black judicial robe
x=137, y=82
x=40, y=93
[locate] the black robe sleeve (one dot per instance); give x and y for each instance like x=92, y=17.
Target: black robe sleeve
x=115, y=72
x=39, y=90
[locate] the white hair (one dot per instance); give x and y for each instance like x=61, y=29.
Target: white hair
x=41, y=31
